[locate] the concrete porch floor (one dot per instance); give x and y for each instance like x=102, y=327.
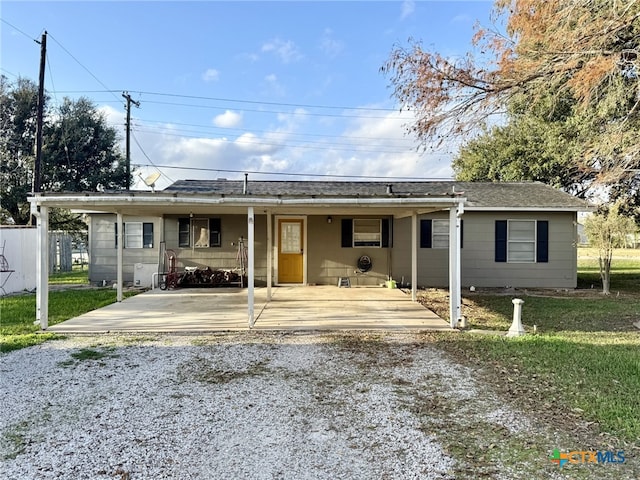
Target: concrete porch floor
x=290, y=308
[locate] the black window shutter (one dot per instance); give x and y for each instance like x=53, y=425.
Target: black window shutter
x=184, y=226
x=147, y=235
x=347, y=233
x=386, y=233
x=425, y=233
x=501, y=240
x=461, y=233
x=215, y=237
x=542, y=247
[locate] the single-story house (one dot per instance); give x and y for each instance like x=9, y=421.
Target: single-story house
x=423, y=233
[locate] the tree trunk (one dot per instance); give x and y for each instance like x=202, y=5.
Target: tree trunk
x=605, y=274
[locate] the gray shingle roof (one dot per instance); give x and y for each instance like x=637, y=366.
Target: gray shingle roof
x=478, y=194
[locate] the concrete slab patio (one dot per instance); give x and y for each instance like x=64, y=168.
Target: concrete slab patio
x=291, y=308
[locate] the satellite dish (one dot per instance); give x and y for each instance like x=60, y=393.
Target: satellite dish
x=151, y=180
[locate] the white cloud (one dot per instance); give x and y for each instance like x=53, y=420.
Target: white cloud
x=115, y=117
x=293, y=143
x=408, y=7
x=462, y=19
x=211, y=75
x=273, y=86
x=228, y=119
x=287, y=51
x=329, y=45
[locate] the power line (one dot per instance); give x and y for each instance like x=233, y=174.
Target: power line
x=20, y=31
x=64, y=135
x=399, y=144
x=314, y=146
x=8, y=72
x=217, y=99
x=232, y=100
x=306, y=114
x=135, y=139
x=319, y=175
x=168, y=124
x=85, y=68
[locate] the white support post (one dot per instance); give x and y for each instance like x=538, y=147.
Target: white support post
x=455, y=300
x=269, y=255
x=42, y=273
x=250, y=281
x=120, y=227
x=414, y=256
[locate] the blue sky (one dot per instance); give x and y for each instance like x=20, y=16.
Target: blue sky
x=271, y=87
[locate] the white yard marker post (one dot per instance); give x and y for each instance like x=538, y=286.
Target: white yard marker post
x=516, y=329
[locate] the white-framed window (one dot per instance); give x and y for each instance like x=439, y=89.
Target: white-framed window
x=367, y=232
x=199, y=232
x=521, y=241
x=440, y=233
x=136, y=234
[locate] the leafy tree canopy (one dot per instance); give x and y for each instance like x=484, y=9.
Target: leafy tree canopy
x=80, y=151
x=566, y=77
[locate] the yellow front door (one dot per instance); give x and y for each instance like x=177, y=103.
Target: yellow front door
x=290, y=253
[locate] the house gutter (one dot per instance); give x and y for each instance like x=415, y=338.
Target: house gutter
x=240, y=201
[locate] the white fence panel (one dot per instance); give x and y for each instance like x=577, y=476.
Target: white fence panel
x=17, y=247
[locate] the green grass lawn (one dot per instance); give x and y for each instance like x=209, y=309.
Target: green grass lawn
x=77, y=276
x=17, y=314
x=583, y=362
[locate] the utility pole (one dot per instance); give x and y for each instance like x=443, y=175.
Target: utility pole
x=128, y=141
x=40, y=113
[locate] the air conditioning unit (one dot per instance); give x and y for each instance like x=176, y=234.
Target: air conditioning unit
x=142, y=274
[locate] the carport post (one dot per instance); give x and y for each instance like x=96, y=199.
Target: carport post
x=269, y=255
x=455, y=301
x=42, y=266
x=414, y=256
x=250, y=282
x=119, y=256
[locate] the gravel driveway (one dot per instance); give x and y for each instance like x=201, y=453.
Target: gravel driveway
x=260, y=406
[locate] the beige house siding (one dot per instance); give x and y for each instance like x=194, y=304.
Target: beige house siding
x=224, y=257
x=478, y=265
x=480, y=269
x=327, y=260
x=103, y=252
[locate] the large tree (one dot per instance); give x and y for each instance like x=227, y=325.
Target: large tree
x=587, y=52
x=81, y=151
x=538, y=144
x=18, y=106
